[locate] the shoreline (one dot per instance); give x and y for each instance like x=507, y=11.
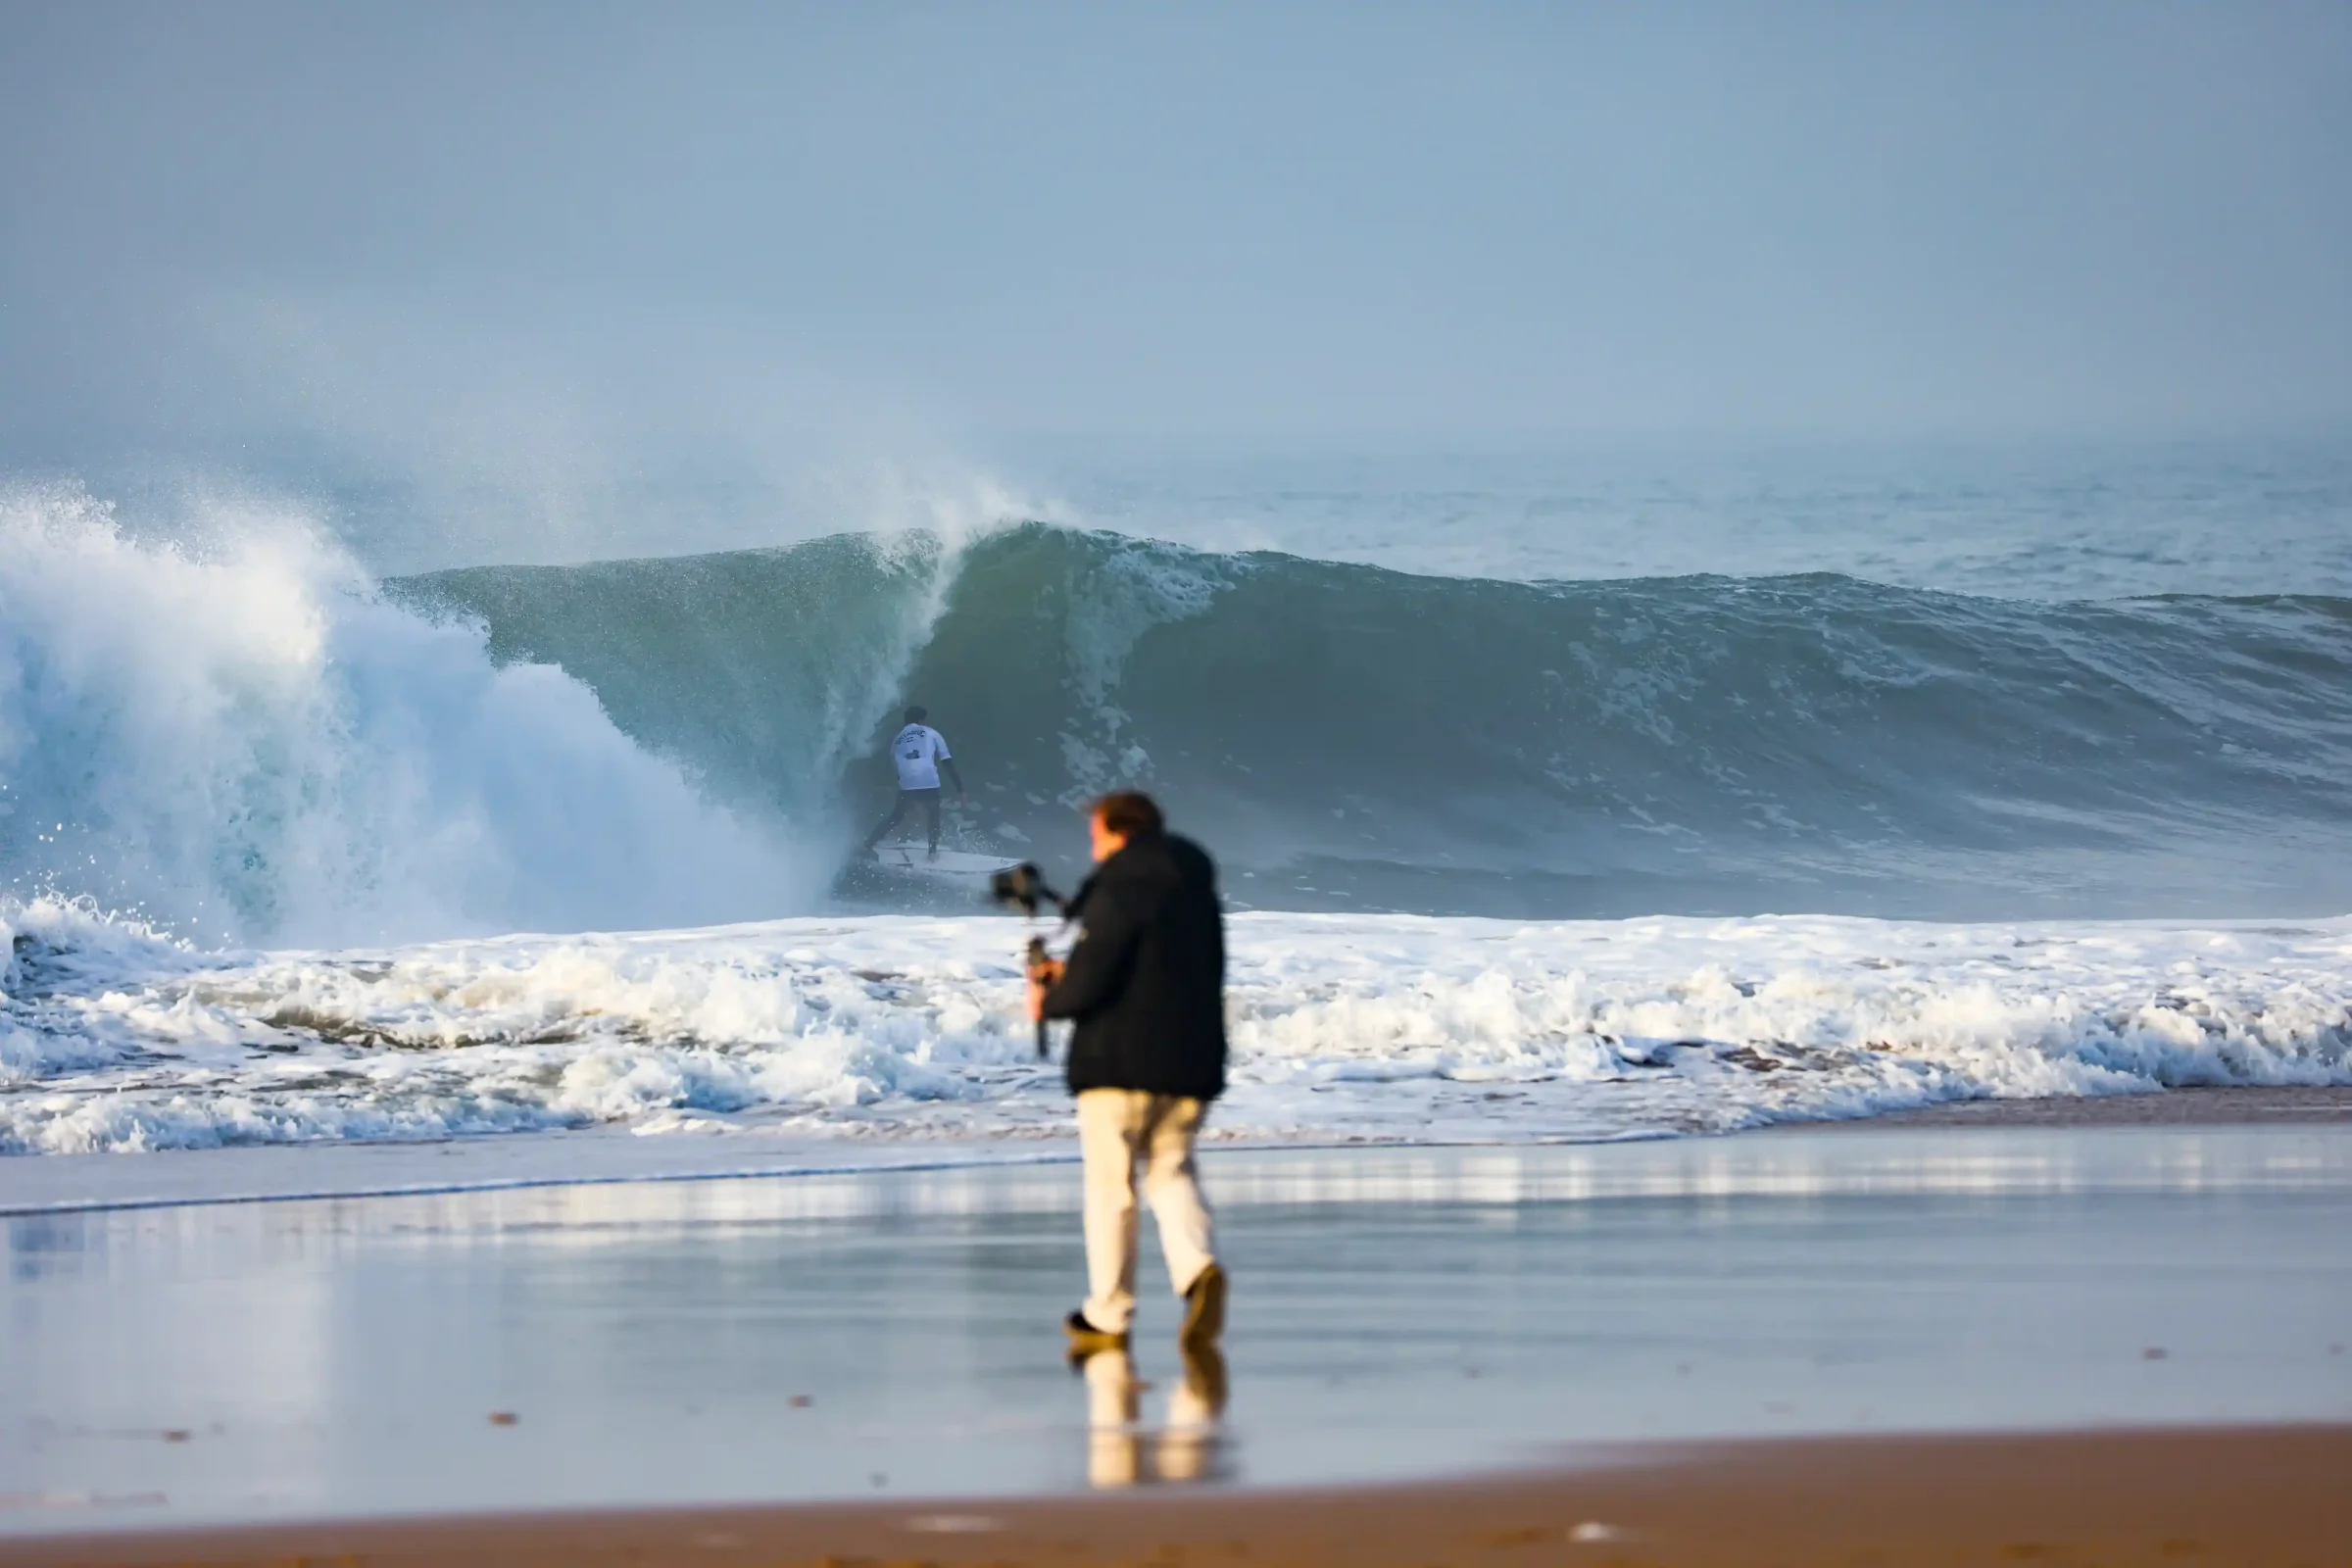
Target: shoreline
x=2115, y=1496
x=96, y=1183
x=2216, y=1105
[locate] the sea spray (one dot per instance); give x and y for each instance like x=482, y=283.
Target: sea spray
x=248, y=742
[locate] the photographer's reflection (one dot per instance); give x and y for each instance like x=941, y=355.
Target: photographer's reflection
x=1188, y=1446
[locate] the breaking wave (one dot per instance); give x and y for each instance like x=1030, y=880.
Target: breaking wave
x=1349, y=737
x=251, y=743
x=215, y=759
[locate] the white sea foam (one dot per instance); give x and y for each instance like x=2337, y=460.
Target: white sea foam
x=1395, y=1027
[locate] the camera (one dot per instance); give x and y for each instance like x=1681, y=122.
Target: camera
x=1024, y=888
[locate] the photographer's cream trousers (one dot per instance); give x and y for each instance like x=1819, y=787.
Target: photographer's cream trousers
x=1116, y=1128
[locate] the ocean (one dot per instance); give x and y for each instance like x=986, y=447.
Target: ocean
x=1558, y=797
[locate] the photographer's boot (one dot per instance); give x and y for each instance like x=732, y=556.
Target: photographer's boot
x=1086, y=1338
x=1204, y=1308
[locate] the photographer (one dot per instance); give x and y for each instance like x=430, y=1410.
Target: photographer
x=1145, y=987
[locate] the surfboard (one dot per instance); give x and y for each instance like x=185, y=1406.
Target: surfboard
x=913, y=859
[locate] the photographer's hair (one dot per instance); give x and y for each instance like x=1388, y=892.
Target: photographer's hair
x=1129, y=814
x=918, y=714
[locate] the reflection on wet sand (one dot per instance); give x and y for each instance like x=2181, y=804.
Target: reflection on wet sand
x=698, y=1342
x=1188, y=1445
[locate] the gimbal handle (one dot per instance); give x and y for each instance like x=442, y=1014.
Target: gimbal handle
x=1037, y=956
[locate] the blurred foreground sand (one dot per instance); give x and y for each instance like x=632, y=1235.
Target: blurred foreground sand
x=2272, y=1496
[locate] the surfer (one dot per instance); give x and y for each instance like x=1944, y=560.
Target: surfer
x=921, y=755
x=1146, y=986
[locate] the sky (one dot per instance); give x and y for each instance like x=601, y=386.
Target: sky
x=415, y=233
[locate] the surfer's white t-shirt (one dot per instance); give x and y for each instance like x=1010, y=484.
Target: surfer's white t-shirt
x=918, y=750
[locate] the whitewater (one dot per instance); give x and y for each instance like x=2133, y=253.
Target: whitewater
x=295, y=852
x=1384, y=1028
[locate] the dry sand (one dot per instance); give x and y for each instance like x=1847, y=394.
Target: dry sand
x=2182, y=1498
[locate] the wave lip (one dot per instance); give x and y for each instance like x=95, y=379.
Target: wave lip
x=1349, y=1028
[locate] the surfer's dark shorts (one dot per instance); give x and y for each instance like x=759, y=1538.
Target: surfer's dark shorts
x=924, y=800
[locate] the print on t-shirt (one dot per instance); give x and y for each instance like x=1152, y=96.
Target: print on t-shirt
x=918, y=750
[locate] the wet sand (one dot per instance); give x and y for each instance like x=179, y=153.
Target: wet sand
x=72, y=1183
x=1400, y=1316
x=2274, y=1496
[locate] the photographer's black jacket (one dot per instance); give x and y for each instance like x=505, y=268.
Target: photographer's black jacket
x=1146, y=982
